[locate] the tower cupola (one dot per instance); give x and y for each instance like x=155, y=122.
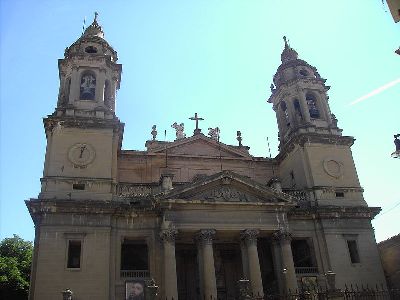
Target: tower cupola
x=89, y=76
x=299, y=98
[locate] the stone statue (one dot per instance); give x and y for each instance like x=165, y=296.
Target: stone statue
x=214, y=133
x=334, y=120
x=239, y=138
x=88, y=86
x=179, y=130
x=397, y=142
x=154, y=132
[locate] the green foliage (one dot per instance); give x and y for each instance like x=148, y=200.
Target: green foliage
x=15, y=268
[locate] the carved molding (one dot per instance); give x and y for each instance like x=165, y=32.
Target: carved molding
x=205, y=236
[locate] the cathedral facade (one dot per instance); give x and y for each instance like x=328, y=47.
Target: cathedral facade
x=195, y=214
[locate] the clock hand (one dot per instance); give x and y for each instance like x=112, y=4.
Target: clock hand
x=82, y=149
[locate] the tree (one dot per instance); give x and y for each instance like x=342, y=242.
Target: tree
x=15, y=268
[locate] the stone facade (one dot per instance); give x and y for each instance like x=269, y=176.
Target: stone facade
x=389, y=251
x=195, y=214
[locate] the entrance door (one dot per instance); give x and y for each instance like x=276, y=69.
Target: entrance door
x=187, y=272
x=228, y=270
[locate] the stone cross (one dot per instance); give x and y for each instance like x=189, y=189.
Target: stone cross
x=197, y=119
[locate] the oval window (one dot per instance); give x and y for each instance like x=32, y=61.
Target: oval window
x=91, y=49
x=303, y=72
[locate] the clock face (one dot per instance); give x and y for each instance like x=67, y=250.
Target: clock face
x=81, y=154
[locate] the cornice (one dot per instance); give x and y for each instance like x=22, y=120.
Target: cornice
x=39, y=207
x=334, y=212
x=313, y=138
x=52, y=122
x=283, y=87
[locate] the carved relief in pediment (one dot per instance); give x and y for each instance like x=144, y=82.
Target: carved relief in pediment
x=226, y=194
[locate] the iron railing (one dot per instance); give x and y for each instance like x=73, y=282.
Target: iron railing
x=306, y=270
x=135, y=274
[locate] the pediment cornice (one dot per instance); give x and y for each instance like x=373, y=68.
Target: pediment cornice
x=180, y=147
x=227, y=186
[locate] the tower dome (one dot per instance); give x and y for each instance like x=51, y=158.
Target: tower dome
x=92, y=42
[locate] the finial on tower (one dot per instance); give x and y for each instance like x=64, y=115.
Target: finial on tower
x=286, y=41
x=94, y=29
x=288, y=53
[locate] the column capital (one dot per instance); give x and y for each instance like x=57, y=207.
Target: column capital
x=249, y=235
x=169, y=235
x=282, y=236
x=205, y=236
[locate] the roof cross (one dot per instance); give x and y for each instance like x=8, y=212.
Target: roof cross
x=197, y=119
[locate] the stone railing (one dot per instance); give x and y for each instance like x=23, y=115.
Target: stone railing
x=128, y=190
x=302, y=197
x=135, y=274
x=306, y=270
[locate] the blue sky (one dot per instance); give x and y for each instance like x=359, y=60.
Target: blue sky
x=216, y=58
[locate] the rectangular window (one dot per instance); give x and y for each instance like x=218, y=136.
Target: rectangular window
x=78, y=186
x=74, y=254
x=339, y=194
x=353, y=251
x=134, y=256
x=302, y=254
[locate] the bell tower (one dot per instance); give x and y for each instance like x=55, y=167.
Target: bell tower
x=84, y=134
x=313, y=154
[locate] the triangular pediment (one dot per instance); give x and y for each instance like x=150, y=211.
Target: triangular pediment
x=200, y=145
x=228, y=186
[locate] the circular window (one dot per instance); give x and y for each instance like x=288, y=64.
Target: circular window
x=303, y=72
x=91, y=49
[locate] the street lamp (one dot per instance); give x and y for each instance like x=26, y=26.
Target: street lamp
x=396, y=154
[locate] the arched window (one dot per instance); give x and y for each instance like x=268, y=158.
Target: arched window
x=88, y=86
x=312, y=106
x=297, y=109
x=285, y=113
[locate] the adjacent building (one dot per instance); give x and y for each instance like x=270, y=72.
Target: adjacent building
x=195, y=214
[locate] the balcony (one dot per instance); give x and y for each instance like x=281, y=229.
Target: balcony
x=135, y=274
x=306, y=270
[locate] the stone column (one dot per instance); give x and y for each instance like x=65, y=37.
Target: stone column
x=291, y=113
x=276, y=254
x=245, y=260
x=304, y=107
x=100, y=82
x=75, y=85
x=289, y=274
x=113, y=89
x=249, y=236
x=325, y=108
x=204, y=239
x=170, y=282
